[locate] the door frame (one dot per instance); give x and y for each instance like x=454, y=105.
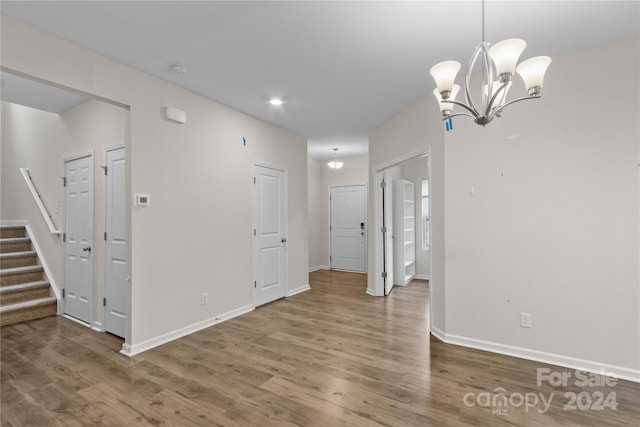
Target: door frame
x=378, y=241
x=105, y=254
x=91, y=154
x=366, y=219
x=254, y=242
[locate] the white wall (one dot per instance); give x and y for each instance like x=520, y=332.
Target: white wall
x=196, y=235
x=39, y=140
x=414, y=129
x=553, y=227
x=321, y=178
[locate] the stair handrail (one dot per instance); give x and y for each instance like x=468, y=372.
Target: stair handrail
x=39, y=202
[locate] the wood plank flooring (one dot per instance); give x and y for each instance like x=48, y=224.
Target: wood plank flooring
x=332, y=356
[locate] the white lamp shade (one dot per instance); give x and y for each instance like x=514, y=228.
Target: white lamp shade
x=444, y=106
x=532, y=71
x=335, y=164
x=444, y=74
x=505, y=55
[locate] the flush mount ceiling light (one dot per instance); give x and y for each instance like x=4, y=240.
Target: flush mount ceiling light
x=275, y=102
x=335, y=163
x=498, y=66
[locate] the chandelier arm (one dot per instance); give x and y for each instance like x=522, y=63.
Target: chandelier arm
x=524, y=98
x=465, y=106
x=493, y=99
x=458, y=114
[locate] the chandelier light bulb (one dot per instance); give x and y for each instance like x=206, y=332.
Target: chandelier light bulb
x=446, y=107
x=444, y=74
x=532, y=72
x=505, y=56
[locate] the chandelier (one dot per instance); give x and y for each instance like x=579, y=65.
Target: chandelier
x=498, y=64
x=335, y=163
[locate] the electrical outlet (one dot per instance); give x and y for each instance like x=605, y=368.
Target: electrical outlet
x=204, y=298
x=525, y=320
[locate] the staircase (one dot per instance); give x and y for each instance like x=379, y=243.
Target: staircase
x=25, y=292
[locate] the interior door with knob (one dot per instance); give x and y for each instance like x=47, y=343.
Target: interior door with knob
x=347, y=228
x=269, y=234
x=78, y=286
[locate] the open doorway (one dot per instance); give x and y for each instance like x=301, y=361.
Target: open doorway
x=402, y=221
x=50, y=129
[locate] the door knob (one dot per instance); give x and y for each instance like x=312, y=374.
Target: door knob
x=284, y=240
x=87, y=249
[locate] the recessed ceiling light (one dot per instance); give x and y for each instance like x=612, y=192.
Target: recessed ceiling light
x=275, y=101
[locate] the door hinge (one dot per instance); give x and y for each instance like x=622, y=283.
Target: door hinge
x=254, y=180
x=105, y=169
x=384, y=274
x=255, y=284
x=383, y=229
x=64, y=293
x=64, y=181
x=105, y=236
x=104, y=302
x=254, y=231
x=329, y=257
x=64, y=237
x=383, y=184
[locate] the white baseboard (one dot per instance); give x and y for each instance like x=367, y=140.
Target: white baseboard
x=132, y=350
x=299, y=290
x=318, y=267
x=78, y=321
x=12, y=222
x=422, y=277
x=371, y=292
x=540, y=356
x=97, y=326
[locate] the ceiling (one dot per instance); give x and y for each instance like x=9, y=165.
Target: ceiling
x=342, y=68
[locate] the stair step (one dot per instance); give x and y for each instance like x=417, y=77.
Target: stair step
x=15, y=244
x=12, y=231
x=24, y=292
x=18, y=259
x=28, y=310
x=18, y=275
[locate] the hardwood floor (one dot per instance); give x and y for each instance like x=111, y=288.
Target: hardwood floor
x=332, y=356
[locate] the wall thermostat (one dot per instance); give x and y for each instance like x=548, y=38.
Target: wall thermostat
x=142, y=200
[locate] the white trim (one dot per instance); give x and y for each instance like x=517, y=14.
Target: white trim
x=45, y=266
x=39, y=203
x=540, y=356
x=371, y=292
x=90, y=153
x=438, y=333
x=78, y=321
x=97, y=326
x=132, y=350
x=13, y=223
x=298, y=290
x=422, y=277
x=318, y=267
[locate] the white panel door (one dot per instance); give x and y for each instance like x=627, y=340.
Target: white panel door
x=115, y=290
x=270, y=234
x=347, y=228
x=78, y=287
x=388, y=236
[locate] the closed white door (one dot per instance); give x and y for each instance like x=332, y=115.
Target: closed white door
x=115, y=290
x=347, y=228
x=388, y=236
x=270, y=234
x=78, y=287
